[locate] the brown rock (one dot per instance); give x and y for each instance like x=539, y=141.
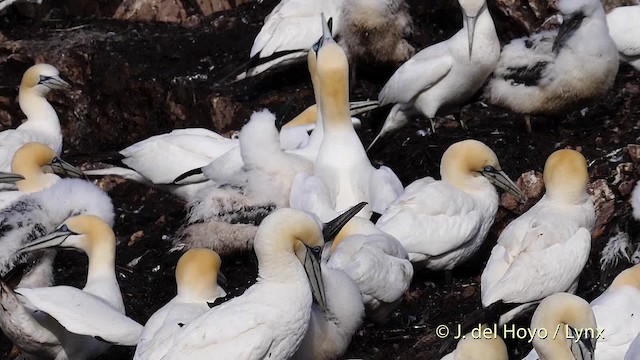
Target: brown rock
x=151, y=10
x=223, y=111
x=135, y=237
x=532, y=185
x=626, y=187
x=634, y=153
x=604, y=202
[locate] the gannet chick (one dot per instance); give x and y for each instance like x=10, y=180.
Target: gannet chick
x=271, y=317
x=443, y=76
x=342, y=163
x=28, y=168
x=545, y=249
x=624, y=29
x=42, y=124
x=34, y=215
x=552, y=73
x=330, y=329
x=64, y=322
x=443, y=223
x=577, y=329
x=367, y=30
x=616, y=313
x=487, y=346
x=196, y=277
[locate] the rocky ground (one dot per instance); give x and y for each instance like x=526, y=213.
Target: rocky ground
x=133, y=80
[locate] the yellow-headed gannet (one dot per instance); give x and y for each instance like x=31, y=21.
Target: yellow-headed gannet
x=479, y=346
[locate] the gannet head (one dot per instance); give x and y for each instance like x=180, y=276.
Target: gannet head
x=42, y=78
x=487, y=346
x=470, y=11
x=629, y=277
x=468, y=159
x=88, y=233
x=197, y=274
x=33, y=160
x=571, y=313
x=566, y=176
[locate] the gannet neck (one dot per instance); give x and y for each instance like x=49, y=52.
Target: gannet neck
x=40, y=114
x=333, y=76
x=566, y=176
x=560, y=309
x=462, y=163
x=102, y=258
x=27, y=161
x=629, y=277
x=315, y=139
x=197, y=274
x=276, y=240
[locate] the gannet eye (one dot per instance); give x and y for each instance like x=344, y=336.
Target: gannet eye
x=64, y=227
x=44, y=78
x=489, y=168
x=316, y=250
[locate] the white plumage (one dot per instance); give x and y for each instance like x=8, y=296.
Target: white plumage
x=624, y=29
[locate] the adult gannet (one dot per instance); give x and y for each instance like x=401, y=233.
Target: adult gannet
x=270, y=319
x=443, y=76
x=342, y=163
x=196, y=277
x=42, y=124
x=28, y=166
x=570, y=327
x=634, y=349
x=64, y=322
x=555, y=72
x=544, y=250
x=443, y=223
x=624, y=29
x=479, y=346
x=368, y=30
x=36, y=214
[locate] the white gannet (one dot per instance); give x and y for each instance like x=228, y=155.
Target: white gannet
x=42, y=124
x=616, y=312
x=479, y=345
x=555, y=72
x=443, y=76
x=570, y=327
x=64, y=322
x=443, y=223
x=270, y=319
x=633, y=352
x=624, y=29
x=197, y=280
x=342, y=163
x=367, y=30
x=545, y=249
x=36, y=214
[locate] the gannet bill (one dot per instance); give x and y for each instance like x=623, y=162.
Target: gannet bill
x=443, y=223
x=624, y=29
x=487, y=346
x=84, y=322
x=545, y=249
x=443, y=76
x=271, y=317
x=197, y=280
x=342, y=163
x=552, y=73
x=42, y=124
x=578, y=329
x=36, y=214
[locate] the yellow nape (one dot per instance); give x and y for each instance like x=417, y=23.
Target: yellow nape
x=465, y=159
x=30, y=157
x=197, y=272
x=31, y=77
x=333, y=75
x=97, y=232
x=566, y=174
x=629, y=277
x=308, y=116
x=481, y=343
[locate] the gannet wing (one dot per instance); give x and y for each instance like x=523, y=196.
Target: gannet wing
x=309, y=193
x=82, y=313
x=384, y=187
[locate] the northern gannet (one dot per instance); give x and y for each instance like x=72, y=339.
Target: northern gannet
x=342, y=163
x=443, y=76
x=42, y=124
x=197, y=280
x=28, y=168
x=545, y=249
x=443, y=223
x=270, y=319
x=368, y=30
x=36, y=214
x=633, y=352
x=553, y=73
x=571, y=328
x=64, y=322
x=624, y=29
x=473, y=347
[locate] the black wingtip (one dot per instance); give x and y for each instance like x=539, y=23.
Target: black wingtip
x=187, y=174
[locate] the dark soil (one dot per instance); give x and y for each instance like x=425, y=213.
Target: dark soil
x=171, y=56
